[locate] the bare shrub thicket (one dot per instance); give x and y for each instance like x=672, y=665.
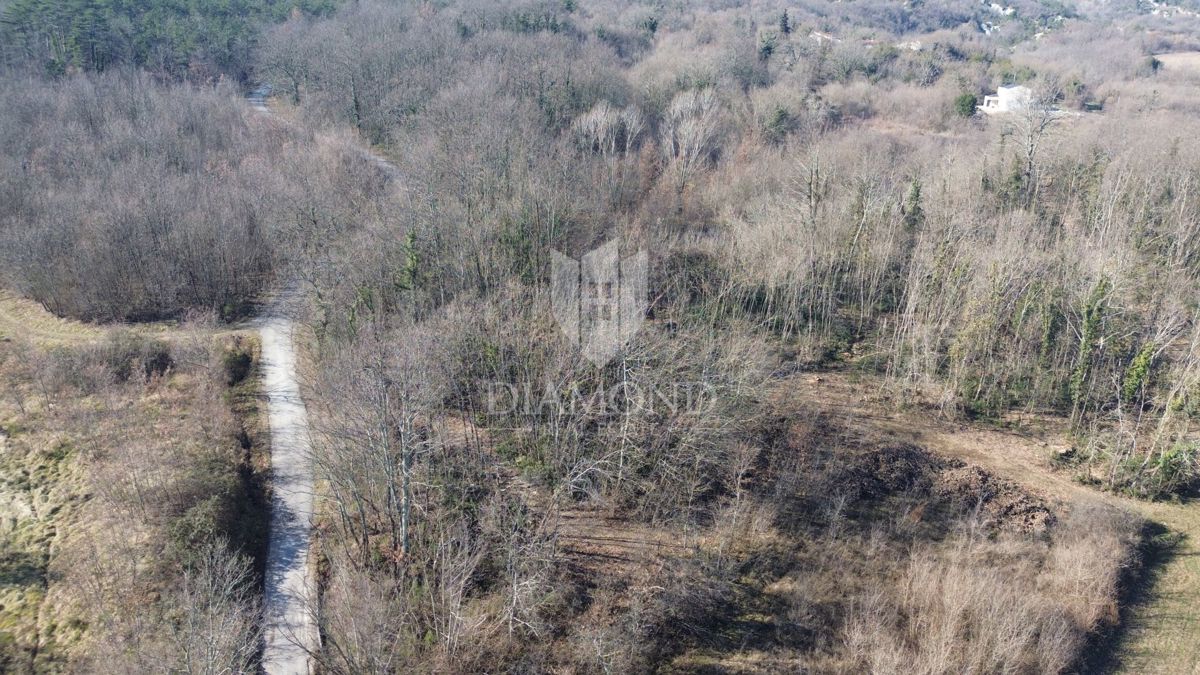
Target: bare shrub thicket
x=129, y=200
x=1021, y=616
x=803, y=198
x=1022, y=279
x=813, y=192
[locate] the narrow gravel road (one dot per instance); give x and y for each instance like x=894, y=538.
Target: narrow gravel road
x=290, y=622
x=290, y=628
x=290, y=632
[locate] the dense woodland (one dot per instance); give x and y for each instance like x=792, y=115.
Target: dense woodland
x=194, y=39
x=816, y=193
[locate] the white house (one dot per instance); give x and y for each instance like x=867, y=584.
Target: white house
x=1007, y=99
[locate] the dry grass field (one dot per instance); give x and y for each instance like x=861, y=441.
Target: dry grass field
x=119, y=447
x=1163, y=612
x=1182, y=62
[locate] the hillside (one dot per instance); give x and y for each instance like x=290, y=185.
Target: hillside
x=600, y=336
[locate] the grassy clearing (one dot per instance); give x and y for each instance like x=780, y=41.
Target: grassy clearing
x=1159, y=625
x=40, y=488
x=1184, y=62
x=122, y=450
x=28, y=321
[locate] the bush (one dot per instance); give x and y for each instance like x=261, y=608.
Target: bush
x=965, y=105
x=126, y=352
x=202, y=522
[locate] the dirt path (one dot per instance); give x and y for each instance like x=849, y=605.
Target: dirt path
x=1162, y=630
x=290, y=629
x=290, y=633
x=290, y=626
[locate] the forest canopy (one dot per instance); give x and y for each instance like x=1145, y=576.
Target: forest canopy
x=176, y=38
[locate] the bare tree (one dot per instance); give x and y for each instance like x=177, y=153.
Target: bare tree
x=689, y=131
x=217, y=630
